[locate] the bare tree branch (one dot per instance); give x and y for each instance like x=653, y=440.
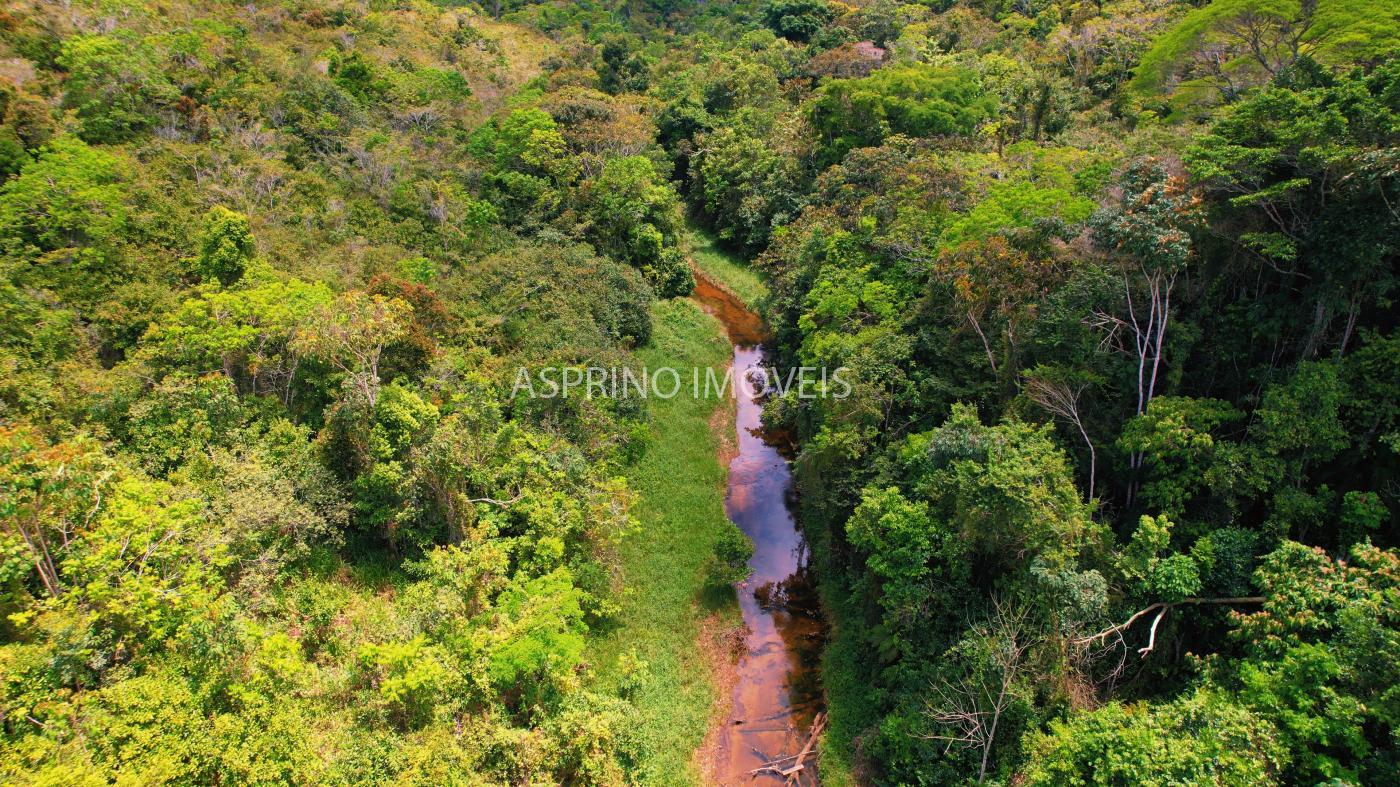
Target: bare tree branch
x=1161, y=608
x=972, y=708
x=1058, y=398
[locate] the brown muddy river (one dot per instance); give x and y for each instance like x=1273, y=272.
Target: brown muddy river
x=776, y=694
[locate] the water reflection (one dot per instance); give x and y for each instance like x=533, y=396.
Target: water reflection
x=778, y=693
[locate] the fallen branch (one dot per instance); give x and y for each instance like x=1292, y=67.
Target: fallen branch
x=817, y=724
x=790, y=772
x=494, y=502
x=1152, y=633
x=770, y=764
x=1162, y=608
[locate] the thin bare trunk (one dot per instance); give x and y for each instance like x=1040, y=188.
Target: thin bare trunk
x=1093, y=459
x=985, y=345
x=1061, y=400
x=968, y=709
x=1352, y=310
x=1161, y=327
x=43, y=561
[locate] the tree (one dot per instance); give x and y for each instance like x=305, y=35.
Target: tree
x=530, y=159
x=1006, y=489
x=357, y=75
x=637, y=219
x=184, y=418
x=528, y=141
x=729, y=565
x=1228, y=48
x=744, y=183
x=995, y=282
x=1296, y=175
x=1203, y=738
x=598, y=127
x=375, y=448
x=115, y=84
x=798, y=20
x=989, y=504
x=50, y=494
x=624, y=68
x=539, y=641
x=971, y=709
x=246, y=331
x=899, y=541
x=25, y=125
x=1268, y=40
x=1149, y=231
x=1060, y=398
x=410, y=678
x=1320, y=660
x=1149, y=234
x=64, y=216
x=225, y=246
x=351, y=335
x=1174, y=440
x=917, y=101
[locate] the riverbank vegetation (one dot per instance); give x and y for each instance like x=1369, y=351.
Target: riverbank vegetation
x=1113, y=499
x=1115, y=284
x=727, y=270
x=270, y=512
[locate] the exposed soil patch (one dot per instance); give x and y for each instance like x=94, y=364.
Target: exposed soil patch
x=722, y=427
x=743, y=326
x=720, y=644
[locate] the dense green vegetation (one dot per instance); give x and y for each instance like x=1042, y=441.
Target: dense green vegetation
x=270, y=513
x=1113, y=500
x=1110, y=501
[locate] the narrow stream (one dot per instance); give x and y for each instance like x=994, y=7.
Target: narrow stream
x=777, y=693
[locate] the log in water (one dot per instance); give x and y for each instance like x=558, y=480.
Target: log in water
x=777, y=693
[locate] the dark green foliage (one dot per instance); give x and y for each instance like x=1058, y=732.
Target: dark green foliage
x=637, y=219
x=916, y=101
x=745, y=186
x=356, y=75
x=1292, y=178
x=798, y=20
x=1189, y=333
x=729, y=564
x=624, y=69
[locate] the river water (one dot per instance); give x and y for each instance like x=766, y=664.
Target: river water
x=776, y=693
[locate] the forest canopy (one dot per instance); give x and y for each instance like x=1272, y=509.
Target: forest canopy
x=1113, y=499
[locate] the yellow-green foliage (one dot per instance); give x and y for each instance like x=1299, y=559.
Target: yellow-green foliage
x=1026, y=184
x=1341, y=32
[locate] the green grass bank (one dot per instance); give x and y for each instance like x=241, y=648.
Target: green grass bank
x=725, y=269
x=680, y=483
